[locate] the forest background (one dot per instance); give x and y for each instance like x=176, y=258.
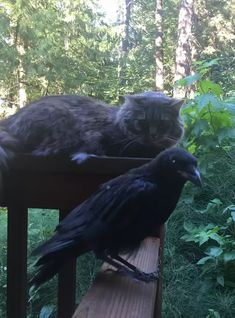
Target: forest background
x=184, y=48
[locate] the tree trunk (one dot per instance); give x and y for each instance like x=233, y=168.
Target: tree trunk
x=124, y=43
x=183, y=51
x=22, y=97
x=159, y=82
x=194, y=51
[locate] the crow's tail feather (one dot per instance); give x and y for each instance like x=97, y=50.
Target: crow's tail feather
x=50, y=263
x=46, y=272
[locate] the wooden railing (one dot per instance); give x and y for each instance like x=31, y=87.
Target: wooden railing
x=57, y=183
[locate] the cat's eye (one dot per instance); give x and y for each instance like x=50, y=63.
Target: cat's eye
x=141, y=124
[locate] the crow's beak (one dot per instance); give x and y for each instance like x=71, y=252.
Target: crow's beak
x=192, y=175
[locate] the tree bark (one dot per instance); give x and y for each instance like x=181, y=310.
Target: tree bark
x=183, y=51
x=159, y=79
x=124, y=43
x=22, y=96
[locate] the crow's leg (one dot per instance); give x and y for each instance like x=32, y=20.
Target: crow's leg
x=134, y=268
x=129, y=269
x=124, y=262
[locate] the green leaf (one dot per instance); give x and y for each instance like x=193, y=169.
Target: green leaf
x=181, y=82
x=215, y=251
x=208, y=64
x=203, y=238
x=220, y=280
x=233, y=215
x=217, y=238
x=203, y=260
x=230, y=108
x=200, y=127
x=207, y=86
x=216, y=201
x=46, y=311
x=212, y=205
x=191, y=79
x=229, y=256
x=213, y=314
x=206, y=100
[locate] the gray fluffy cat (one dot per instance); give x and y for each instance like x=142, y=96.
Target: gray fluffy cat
x=72, y=125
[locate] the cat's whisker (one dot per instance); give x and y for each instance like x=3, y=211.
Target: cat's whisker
x=170, y=138
x=129, y=143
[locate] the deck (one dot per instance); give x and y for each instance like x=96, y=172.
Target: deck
x=58, y=183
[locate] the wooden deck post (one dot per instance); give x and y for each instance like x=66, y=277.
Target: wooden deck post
x=58, y=183
x=66, y=285
x=17, y=261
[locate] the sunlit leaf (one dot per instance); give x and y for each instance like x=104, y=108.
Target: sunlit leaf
x=47, y=311
x=203, y=260
x=220, y=280
x=207, y=86
x=215, y=251
x=229, y=256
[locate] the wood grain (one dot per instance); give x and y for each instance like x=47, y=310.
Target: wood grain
x=116, y=296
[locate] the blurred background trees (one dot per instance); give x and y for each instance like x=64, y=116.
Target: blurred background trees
x=56, y=47
x=61, y=47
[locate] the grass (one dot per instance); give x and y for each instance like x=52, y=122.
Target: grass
x=41, y=226
x=186, y=293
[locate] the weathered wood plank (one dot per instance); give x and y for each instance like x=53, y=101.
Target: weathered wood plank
x=92, y=166
x=113, y=295
x=57, y=183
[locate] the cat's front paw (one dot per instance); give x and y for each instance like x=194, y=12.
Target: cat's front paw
x=81, y=157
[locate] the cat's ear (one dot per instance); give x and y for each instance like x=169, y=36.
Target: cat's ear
x=135, y=99
x=177, y=104
x=121, y=99
x=129, y=97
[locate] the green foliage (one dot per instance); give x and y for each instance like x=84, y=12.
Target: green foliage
x=219, y=262
x=59, y=47
x=42, y=302
x=47, y=311
x=209, y=119
x=202, y=264
x=213, y=314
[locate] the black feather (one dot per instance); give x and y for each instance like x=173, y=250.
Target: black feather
x=120, y=214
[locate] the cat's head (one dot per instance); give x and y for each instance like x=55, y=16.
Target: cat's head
x=151, y=117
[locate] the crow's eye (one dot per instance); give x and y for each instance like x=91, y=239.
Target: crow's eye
x=173, y=161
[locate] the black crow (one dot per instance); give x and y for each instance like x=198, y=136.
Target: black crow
x=117, y=217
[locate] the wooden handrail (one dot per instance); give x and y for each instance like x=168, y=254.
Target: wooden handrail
x=51, y=183
x=113, y=295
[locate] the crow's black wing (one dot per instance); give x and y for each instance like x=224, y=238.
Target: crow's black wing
x=107, y=211
x=108, y=203
x=111, y=206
